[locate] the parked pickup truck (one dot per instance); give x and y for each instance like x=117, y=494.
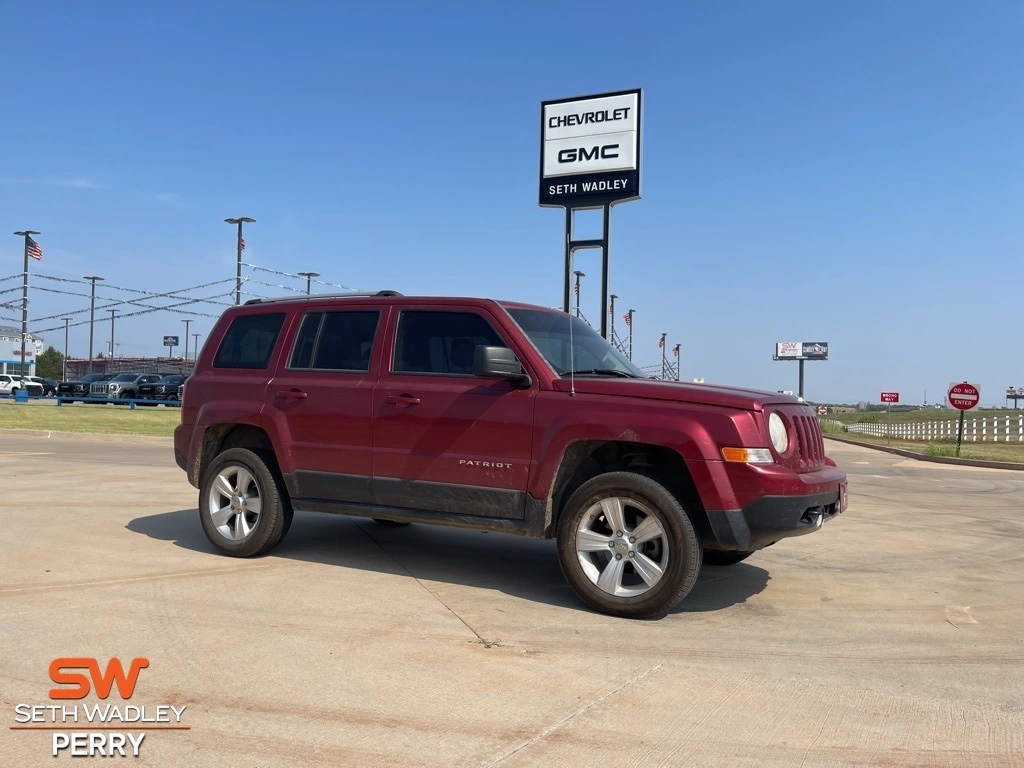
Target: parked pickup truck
x=495, y=416
x=123, y=386
x=9, y=385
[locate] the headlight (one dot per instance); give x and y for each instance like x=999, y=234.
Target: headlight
x=778, y=433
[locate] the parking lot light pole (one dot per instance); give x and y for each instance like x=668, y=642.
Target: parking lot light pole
x=92, y=312
x=240, y=245
x=629, y=322
x=611, y=313
x=27, y=234
x=577, y=289
x=195, y=346
x=309, y=276
x=187, y=323
x=112, y=313
x=64, y=367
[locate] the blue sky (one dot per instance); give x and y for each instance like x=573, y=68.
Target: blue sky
x=842, y=172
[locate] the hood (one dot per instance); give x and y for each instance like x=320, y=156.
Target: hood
x=678, y=391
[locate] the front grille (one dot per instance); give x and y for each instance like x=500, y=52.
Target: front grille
x=810, y=445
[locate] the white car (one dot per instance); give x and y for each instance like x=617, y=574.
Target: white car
x=11, y=384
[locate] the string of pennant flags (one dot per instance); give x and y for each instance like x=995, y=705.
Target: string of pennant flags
x=184, y=302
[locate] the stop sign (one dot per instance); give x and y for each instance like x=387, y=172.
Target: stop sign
x=822, y=410
x=963, y=396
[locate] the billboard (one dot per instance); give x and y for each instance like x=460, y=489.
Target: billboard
x=170, y=341
x=801, y=350
x=590, y=149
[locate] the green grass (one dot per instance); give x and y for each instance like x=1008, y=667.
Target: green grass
x=1010, y=452
x=93, y=419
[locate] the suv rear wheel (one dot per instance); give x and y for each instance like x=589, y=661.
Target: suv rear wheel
x=627, y=546
x=243, y=506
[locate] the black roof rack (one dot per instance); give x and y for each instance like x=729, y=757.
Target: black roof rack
x=304, y=297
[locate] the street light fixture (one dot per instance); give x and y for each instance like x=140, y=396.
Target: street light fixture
x=27, y=234
x=92, y=312
x=577, y=289
x=309, y=276
x=241, y=247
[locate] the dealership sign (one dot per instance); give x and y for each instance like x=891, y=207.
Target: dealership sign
x=801, y=350
x=30, y=353
x=590, y=149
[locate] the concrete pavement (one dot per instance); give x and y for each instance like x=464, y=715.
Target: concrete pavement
x=891, y=637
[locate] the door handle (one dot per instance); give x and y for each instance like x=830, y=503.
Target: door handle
x=292, y=394
x=402, y=401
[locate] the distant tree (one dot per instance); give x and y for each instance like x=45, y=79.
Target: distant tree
x=100, y=356
x=50, y=364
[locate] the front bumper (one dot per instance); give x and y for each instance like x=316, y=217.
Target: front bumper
x=771, y=518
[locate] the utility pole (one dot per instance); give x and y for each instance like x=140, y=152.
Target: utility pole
x=36, y=253
x=309, y=276
x=112, y=313
x=577, y=290
x=240, y=245
x=64, y=368
x=92, y=312
x=187, y=323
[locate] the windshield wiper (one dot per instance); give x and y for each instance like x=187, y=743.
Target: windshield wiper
x=602, y=371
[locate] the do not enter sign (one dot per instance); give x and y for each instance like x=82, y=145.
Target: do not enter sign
x=964, y=396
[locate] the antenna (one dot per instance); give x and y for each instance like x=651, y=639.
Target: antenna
x=572, y=360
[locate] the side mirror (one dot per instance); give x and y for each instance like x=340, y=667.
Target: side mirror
x=499, y=363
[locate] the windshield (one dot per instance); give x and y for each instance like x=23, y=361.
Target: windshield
x=549, y=332
x=124, y=377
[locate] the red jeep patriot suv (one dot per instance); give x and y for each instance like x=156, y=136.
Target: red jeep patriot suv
x=497, y=416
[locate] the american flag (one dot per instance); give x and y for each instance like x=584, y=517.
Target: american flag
x=661, y=342
x=675, y=350
x=576, y=289
x=628, y=317
x=241, y=243
x=33, y=249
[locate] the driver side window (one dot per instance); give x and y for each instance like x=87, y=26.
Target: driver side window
x=441, y=343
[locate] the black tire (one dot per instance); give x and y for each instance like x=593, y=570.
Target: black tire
x=268, y=527
x=389, y=523
x=724, y=557
x=677, y=547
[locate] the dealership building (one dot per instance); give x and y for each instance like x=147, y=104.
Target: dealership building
x=10, y=350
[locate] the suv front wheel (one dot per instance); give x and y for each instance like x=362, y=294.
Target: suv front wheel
x=627, y=546
x=243, y=507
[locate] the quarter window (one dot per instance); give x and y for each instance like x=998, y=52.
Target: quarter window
x=441, y=342
x=335, y=341
x=249, y=342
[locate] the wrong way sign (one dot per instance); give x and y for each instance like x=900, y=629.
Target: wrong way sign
x=963, y=396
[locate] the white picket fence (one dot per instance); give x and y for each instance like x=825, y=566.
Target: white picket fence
x=997, y=429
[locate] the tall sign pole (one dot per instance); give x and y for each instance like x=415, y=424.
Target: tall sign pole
x=611, y=319
x=590, y=160
x=801, y=351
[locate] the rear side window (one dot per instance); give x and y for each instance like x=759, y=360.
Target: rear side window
x=441, y=342
x=335, y=341
x=249, y=342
